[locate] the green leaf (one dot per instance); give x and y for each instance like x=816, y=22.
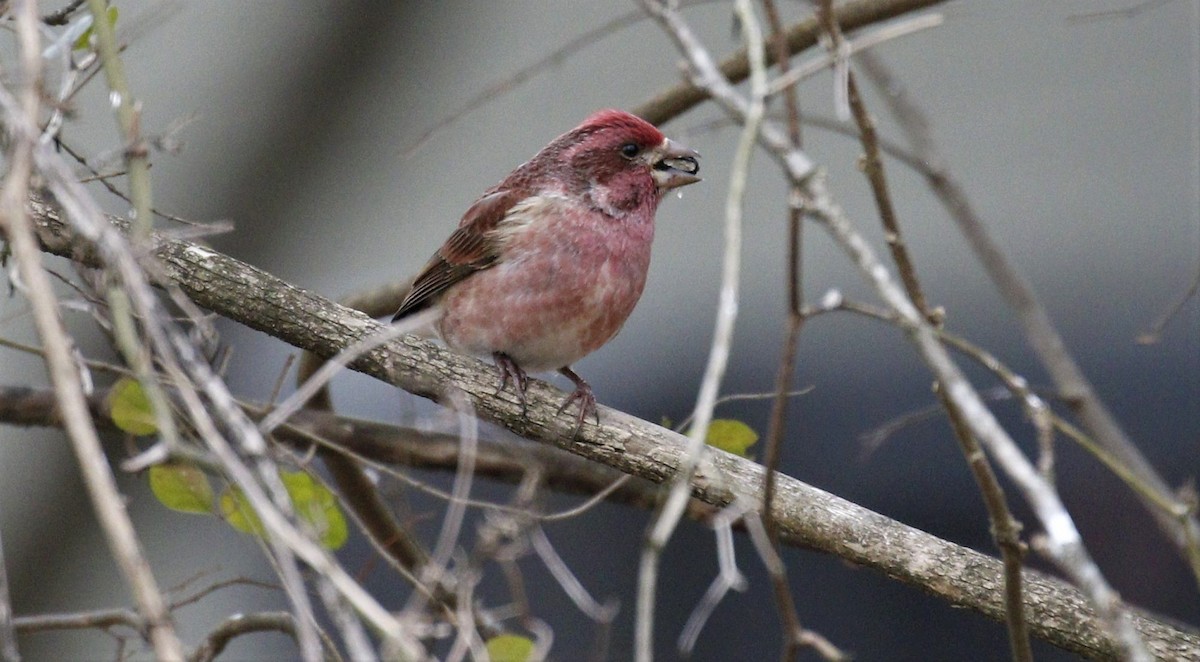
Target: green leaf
x=83, y=43
x=509, y=648
x=181, y=487
x=731, y=435
x=236, y=510
x=130, y=409
x=318, y=506
x=312, y=501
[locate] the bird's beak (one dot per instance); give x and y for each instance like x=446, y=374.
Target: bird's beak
x=676, y=166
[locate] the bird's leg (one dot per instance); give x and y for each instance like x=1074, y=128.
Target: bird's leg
x=582, y=393
x=509, y=368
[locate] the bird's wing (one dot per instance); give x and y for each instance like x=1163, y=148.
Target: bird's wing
x=470, y=248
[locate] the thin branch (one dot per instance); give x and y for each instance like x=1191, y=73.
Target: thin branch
x=794, y=287
x=128, y=112
x=1039, y=330
x=742, y=397
x=728, y=577
x=864, y=42
x=318, y=380
x=354, y=636
x=241, y=624
x=601, y=613
x=766, y=550
x=8, y=636
x=192, y=375
x=136, y=154
x=106, y=498
x=1041, y=416
x=1064, y=543
x=199, y=595
x=100, y=619
x=552, y=59
x=380, y=444
x=63, y=15
x=851, y=15
x=1006, y=531
x=391, y=538
x=668, y=517
x=1152, y=334
x=434, y=571
x=873, y=167
x=782, y=59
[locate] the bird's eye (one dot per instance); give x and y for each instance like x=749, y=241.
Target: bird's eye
x=630, y=150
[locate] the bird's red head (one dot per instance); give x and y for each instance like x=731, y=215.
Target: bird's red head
x=617, y=161
x=622, y=125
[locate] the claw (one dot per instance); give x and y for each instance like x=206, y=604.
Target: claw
x=509, y=369
x=583, y=394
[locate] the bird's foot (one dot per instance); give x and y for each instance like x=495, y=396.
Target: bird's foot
x=583, y=394
x=509, y=369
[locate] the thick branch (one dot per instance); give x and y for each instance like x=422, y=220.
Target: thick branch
x=807, y=517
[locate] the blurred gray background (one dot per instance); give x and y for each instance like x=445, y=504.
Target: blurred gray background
x=1076, y=140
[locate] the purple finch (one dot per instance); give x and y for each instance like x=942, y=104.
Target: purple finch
x=546, y=266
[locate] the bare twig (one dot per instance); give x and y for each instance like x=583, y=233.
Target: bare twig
x=433, y=572
x=128, y=118
x=728, y=577
x=1124, y=12
x=8, y=636
x=779, y=51
x=237, y=625
x=63, y=15
x=1152, y=334
x=315, y=383
x=787, y=362
x=1039, y=330
x=1006, y=531
x=1064, y=543
x=106, y=499
x=851, y=15
x=742, y=397
x=766, y=551
x=848, y=47
x=601, y=613
x=354, y=636
x=1040, y=415
x=393, y=540
x=137, y=162
x=192, y=375
x=212, y=588
x=872, y=166
x=552, y=59
x=668, y=517
x=590, y=503
x=100, y=619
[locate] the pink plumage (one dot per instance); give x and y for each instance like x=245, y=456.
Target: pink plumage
x=548, y=264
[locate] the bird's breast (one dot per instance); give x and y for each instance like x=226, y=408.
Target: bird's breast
x=565, y=282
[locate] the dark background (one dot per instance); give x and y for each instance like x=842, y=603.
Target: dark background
x=1076, y=140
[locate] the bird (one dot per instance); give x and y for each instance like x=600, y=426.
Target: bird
x=546, y=266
